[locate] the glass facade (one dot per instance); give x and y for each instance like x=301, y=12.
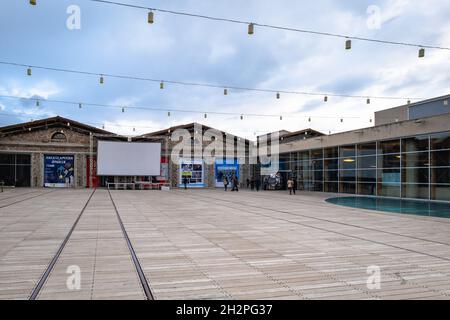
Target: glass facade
x=411, y=167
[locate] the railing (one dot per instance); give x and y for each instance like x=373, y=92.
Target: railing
x=139, y=185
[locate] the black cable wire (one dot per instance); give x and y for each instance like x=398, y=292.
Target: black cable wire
x=328, y=34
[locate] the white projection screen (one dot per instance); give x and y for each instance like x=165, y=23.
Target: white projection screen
x=128, y=159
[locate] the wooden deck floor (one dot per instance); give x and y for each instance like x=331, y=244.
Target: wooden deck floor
x=208, y=244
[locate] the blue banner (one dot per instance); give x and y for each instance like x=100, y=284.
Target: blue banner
x=59, y=171
x=224, y=169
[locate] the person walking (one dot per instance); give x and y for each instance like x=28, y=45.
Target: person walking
x=294, y=187
x=248, y=183
x=290, y=185
x=252, y=183
x=257, y=184
x=225, y=182
x=235, y=184
x=185, y=182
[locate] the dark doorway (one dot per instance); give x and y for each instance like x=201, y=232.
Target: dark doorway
x=15, y=169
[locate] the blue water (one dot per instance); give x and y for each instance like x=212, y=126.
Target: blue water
x=420, y=208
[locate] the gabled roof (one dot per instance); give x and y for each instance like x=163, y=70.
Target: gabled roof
x=49, y=122
x=189, y=126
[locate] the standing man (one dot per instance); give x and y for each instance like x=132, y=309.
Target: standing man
x=290, y=185
x=235, y=183
x=225, y=182
x=185, y=182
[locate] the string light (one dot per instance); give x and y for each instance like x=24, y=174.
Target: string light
x=263, y=25
x=134, y=129
x=348, y=44
x=29, y=72
x=281, y=118
x=368, y=101
x=206, y=116
x=421, y=52
x=225, y=91
x=168, y=113
x=342, y=120
x=278, y=95
x=33, y=2
x=408, y=102
x=37, y=103
x=150, y=17
x=242, y=117
x=309, y=119
x=325, y=99
x=251, y=28
x=79, y=106
x=123, y=110
x=206, y=85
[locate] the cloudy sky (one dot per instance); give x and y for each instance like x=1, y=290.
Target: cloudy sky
x=118, y=40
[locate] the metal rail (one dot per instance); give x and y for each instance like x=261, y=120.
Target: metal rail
x=137, y=265
x=55, y=258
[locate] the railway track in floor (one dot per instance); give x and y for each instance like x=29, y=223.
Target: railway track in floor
x=142, y=278
x=37, y=289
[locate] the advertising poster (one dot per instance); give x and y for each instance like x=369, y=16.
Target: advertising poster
x=59, y=171
x=223, y=169
x=193, y=170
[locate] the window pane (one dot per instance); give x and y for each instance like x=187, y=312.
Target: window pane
x=367, y=162
x=6, y=158
x=391, y=146
x=440, y=175
x=24, y=159
x=419, y=159
x=415, y=144
x=440, y=141
x=331, y=164
x=331, y=175
x=415, y=175
x=389, y=176
x=23, y=176
x=389, y=161
x=440, y=158
x=304, y=156
x=389, y=190
x=367, y=176
x=7, y=175
x=367, y=189
x=348, y=163
x=419, y=191
x=331, y=153
x=347, y=175
x=367, y=149
x=347, y=151
x=331, y=187
x=317, y=154
x=440, y=192
x=318, y=175
x=317, y=186
x=317, y=164
x=347, y=188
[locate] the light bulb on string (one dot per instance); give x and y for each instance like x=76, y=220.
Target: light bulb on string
x=29, y=72
x=79, y=106
x=281, y=117
x=168, y=113
x=33, y=2
x=123, y=109
x=325, y=99
x=102, y=80
x=368, y=101
x=150, y=17
x=278, y=95
x=205, y=116
x=421, y=52
x=225, y=91
x=348, y=44
x=161, y=85
x=242, y=117
x=251, y=28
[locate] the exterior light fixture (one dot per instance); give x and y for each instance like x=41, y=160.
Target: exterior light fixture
x=408, y=102
x=349, y=160
x=348, y=44
x=251, y=28
x=150, y=17
x=421, y=52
